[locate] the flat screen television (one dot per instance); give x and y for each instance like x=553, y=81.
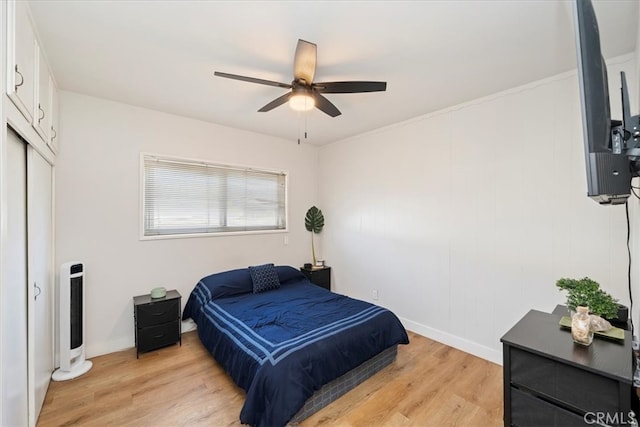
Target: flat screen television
x=610, y=147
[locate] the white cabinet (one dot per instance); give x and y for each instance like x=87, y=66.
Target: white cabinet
x=42, y=112
x=30, y=83
x=53, y=141
x=45, y=117
x=21, y=58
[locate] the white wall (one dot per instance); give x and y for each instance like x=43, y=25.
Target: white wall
x=97, y=207
x=464, y=219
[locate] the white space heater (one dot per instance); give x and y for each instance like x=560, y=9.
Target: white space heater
x=71, y=312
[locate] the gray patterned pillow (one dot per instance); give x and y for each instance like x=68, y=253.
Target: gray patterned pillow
x=264, y=277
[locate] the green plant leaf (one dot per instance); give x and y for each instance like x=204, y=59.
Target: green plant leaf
x=314, y=220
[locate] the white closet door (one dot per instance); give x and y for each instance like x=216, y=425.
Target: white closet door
x=14, y=293
x=40, y=272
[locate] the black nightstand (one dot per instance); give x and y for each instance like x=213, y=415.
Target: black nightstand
x=320, y=276
x=157, y=321
x=550, y=381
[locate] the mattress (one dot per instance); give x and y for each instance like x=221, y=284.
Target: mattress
x=283, y=345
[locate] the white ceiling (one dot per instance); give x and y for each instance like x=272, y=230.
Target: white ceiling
x=433, y=54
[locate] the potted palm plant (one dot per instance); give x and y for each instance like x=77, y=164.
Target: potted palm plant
x=314, y=222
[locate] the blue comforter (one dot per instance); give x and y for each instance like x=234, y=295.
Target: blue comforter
x=282, y=345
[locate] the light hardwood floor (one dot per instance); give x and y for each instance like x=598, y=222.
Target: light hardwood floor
x=429, y=384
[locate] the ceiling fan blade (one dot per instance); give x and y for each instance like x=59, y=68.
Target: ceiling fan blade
x=304, y=63
x=324, y=105
x=350, y=87
x=252, y=80
x=276, y=102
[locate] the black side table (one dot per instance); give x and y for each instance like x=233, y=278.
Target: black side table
x=157, y=321
x=551, y=381
x=320, y=276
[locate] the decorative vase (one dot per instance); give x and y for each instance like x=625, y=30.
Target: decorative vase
x=581, y=326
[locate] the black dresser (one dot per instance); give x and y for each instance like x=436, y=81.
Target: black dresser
x=157, y=321
x=320, y=276
x=550, y=381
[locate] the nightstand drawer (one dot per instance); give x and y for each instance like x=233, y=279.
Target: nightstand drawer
x=529, y=411
x=583, y=390
x=157, y=313
x=158, y=336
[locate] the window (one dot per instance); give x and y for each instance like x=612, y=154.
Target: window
x=182, y=197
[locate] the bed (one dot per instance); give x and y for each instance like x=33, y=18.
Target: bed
x=282, y=338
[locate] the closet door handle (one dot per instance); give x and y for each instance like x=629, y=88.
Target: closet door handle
x=55, y=134
x=41, y=110
x=17, y=85
x=37, y=291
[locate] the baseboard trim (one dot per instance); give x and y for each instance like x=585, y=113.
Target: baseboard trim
x=108, y=347
x=454, y=341
x=120, y=345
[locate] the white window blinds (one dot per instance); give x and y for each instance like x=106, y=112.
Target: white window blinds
x=186, y=197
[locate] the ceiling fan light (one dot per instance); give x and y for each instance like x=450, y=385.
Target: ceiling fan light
x=302, y=102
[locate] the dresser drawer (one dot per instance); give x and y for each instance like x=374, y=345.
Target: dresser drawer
x=529, y=411
x=580, y=389
x=157, y=313
x=158, y=336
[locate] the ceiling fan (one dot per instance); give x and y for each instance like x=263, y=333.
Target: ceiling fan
x=305, y=94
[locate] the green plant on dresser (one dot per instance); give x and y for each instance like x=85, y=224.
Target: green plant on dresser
x=587, y=293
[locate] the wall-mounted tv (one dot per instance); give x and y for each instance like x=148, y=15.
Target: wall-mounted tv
x=612, y=148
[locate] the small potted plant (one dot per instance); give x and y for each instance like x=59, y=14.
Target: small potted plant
x=314, y=222
x=585, y=297
x=586, y=292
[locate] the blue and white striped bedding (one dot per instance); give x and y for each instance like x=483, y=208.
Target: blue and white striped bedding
x=282, y=345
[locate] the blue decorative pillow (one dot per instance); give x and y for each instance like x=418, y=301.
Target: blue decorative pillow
x=228, y=283
x=264, y=277
x=286, y=273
